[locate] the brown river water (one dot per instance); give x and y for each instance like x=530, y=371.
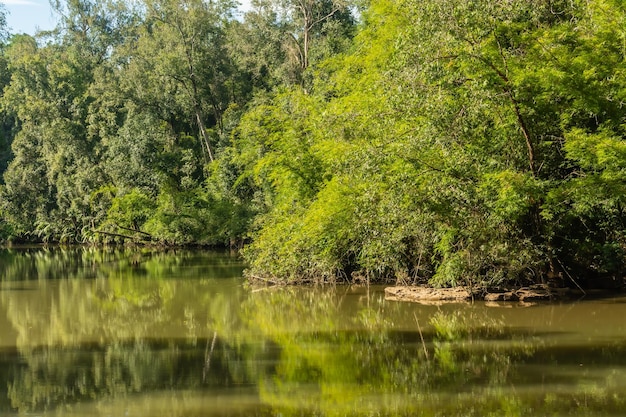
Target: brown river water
x=93, y=332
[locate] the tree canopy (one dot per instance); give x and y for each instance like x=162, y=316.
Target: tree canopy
x=472, y=143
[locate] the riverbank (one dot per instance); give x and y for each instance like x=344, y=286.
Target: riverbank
x=533, y=293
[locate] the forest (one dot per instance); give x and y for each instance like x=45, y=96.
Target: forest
x=455, y=143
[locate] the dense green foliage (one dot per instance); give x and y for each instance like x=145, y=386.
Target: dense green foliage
x=468, y=143
x=464, y=143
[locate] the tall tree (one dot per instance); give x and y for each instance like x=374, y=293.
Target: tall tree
x=306, y=18
x=283, y=37
x=4, y=33
x=165, y=102
x=52, y=158
x=178, y=62
x=56, y=157
x=6, y=122
x=95, y=27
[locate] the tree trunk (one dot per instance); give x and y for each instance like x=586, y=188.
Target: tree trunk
x=203, y=132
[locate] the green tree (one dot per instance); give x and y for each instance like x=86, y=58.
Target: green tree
x=6, y=122
x=53, y=158
x=175, y=100
x=56, y=156
x=123, y=100
x=280, y=39
x=177, y=62
x=451, y=146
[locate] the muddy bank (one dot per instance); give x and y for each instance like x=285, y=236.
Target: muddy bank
x=532, y=293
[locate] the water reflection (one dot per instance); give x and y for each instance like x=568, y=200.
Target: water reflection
x=91, y=324
x=93, y=332
x=354, y=354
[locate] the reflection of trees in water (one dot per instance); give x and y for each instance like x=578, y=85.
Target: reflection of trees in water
x=50, y=377
x=124, y=332
x=461, y=363
x=121, y=303
x=323, y=351
x=89, y=262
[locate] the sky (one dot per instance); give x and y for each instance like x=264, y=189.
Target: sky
x=27, y=16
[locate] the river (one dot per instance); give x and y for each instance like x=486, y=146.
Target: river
x=110, y=332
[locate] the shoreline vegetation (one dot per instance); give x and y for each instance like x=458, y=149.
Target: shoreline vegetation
x=477, y=144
